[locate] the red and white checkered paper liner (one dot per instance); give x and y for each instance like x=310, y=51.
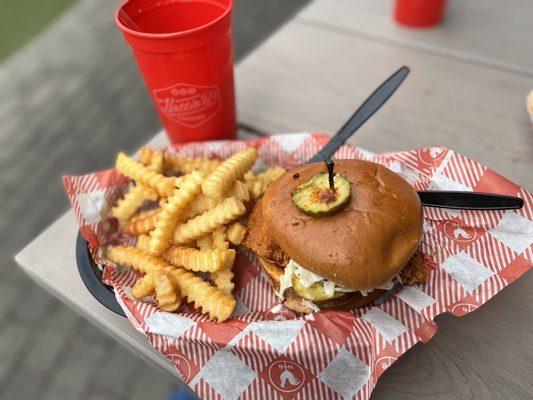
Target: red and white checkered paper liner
x=267, y=351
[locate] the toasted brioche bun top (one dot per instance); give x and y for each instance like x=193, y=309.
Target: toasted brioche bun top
x=361, y=247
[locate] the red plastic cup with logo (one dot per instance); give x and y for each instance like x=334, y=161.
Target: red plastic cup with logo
x=419, y=13
x=183, y=49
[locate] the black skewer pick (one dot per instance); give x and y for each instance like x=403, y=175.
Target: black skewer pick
x=330, y=164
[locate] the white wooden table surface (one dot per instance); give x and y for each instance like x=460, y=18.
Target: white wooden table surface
x=466, y=90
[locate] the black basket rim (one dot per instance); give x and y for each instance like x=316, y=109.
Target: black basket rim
x=87, y=270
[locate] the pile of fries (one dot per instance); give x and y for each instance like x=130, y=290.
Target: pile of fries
x=185, y=246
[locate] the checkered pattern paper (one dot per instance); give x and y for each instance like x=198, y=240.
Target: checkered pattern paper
x=268, y=351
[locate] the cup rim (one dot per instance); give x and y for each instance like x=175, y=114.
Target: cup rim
x=171, y=35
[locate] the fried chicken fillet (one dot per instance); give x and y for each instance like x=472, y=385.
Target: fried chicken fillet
x=259, y=240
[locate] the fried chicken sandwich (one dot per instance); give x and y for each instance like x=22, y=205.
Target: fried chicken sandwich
x=337, y=236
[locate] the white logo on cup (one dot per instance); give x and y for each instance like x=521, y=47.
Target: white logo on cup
x=188, y=105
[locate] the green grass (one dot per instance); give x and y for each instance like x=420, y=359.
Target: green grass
x=20, y=20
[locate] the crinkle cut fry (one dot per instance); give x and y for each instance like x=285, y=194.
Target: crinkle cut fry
x=185, y=165
x=151, y=158
x=219, y=238
x=137, y=259
x=226, y=211
x=159, y=282
x=220, y=180
x=217, y=241
x=223, y=280
x=130, y=203
x=145, y=176
x=236, y=233
x=205, y=242
x=212, y=301
x=202, y=203
x=172, y=212
x=240, y=191
x=271, y=174
x=144, y=214
x=167, y=293
x=145, y=155
x=199, y=260
x=256, y=188
x=143, y=242
x=257, y=185
x=126, y=208
x=141, y=226
x=156, y=162
x=199, y=205
x=145, y=286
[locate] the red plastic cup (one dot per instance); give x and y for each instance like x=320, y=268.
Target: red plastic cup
x=419, y=13
x=183, y=49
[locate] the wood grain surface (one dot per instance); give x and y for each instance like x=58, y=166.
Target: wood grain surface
x=485, y=32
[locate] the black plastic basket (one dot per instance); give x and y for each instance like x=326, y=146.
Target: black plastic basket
x=92, y=277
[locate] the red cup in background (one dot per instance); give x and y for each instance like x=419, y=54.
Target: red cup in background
x=183, y=49
x=419, y=13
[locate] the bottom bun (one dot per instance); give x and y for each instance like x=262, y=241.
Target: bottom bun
x=297, y=303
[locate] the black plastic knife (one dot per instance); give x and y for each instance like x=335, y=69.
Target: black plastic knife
x=469, y=200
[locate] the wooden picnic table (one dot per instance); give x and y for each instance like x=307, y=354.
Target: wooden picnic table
x=467, y=89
